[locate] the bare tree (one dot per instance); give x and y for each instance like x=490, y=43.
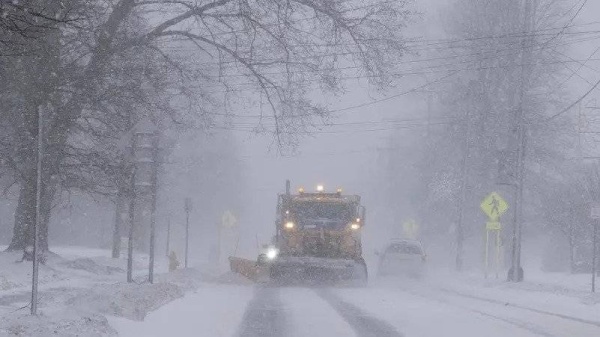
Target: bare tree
x=498, y=70
x=279, y=51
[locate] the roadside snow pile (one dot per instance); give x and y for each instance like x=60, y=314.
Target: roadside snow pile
x=6, y=284
x=89, y=265
x=15, y=273
x=591, y=299
x=65, y=326
x=127, y=300
x=187, y=279
x=79, y=286
x=233, y=278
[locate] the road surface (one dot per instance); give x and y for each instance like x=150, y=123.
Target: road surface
x=414, y=310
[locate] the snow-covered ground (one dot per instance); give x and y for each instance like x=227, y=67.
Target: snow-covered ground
x=83, y=293
x=79, y=287
x=409, y=309
x=443, y=304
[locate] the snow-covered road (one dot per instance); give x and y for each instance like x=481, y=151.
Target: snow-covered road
x=379, y=311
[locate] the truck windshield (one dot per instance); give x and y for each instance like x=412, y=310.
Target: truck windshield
x=323, y=211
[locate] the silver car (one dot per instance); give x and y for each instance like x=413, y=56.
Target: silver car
x=402, y=257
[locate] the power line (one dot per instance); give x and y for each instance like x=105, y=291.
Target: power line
x=574, y=103
x=404, y=127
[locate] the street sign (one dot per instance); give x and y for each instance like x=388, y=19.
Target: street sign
x=228, y=220
x=410, y=229
x=493, y=226
x=494, y=206
x=595, y=211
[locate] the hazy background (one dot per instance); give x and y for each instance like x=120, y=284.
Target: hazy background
x=347, y=151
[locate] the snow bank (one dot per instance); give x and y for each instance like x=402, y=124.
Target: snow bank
x=213, y=310
x=127, y=300
x=64, y=325
x=78, y=286
x=233, y=278
x=91, y=266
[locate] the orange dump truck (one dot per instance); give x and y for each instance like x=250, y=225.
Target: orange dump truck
x=317, y=238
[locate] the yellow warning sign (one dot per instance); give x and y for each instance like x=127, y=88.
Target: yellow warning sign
x=228, y=220
x=410, y=229
x=494, y=206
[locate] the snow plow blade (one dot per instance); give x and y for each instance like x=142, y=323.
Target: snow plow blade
x=248, y=268
x=318, y=271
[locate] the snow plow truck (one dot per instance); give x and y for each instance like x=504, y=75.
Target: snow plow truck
x=317, y=239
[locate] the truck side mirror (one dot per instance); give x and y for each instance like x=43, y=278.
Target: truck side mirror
x=363, y=214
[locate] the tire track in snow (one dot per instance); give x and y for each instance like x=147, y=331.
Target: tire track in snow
x=508, y=304
x=518, y=323
x=264, y=316
x=363, y=324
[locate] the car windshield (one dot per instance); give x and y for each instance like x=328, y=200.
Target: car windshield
x=310, y=211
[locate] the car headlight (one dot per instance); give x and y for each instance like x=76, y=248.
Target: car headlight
x=272, y=253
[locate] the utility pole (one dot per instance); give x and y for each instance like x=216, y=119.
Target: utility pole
x=515, y=273
x=188, y=208
x=463, y=194
x=38, y=214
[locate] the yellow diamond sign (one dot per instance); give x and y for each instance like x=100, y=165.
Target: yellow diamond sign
x=228, y=220
x=410, y=228
x=494, y=206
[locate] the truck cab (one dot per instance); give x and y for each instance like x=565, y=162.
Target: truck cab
x=318, y=236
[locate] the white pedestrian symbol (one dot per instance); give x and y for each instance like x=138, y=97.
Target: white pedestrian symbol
x=495, y=204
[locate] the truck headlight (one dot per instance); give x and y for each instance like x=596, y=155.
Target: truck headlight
x=272, y=253
x=355, y=226
x=289, y=225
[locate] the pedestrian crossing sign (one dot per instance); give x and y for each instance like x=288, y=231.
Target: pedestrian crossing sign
x=410, y=229
x=228, y=220
x=494, y=206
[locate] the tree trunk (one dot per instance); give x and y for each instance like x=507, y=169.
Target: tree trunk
x=571, y=251
x=24, y=217
x=116, y=249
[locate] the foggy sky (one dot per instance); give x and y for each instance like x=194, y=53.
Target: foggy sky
x=347, y=159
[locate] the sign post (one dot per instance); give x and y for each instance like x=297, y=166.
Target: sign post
x=493, y=206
